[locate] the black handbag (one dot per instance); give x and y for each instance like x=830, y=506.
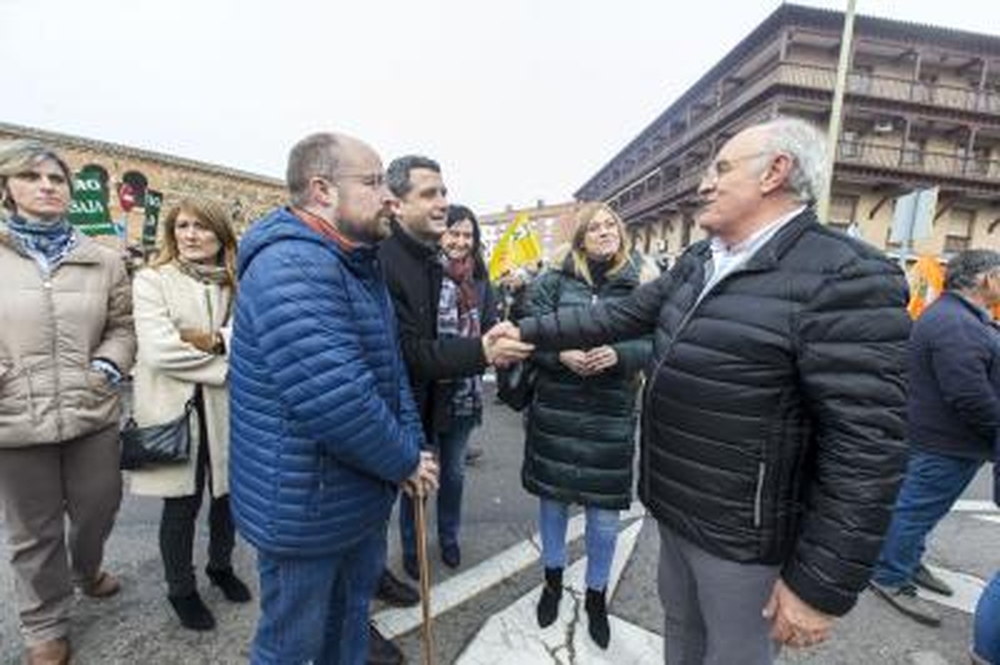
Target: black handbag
x=168, y=443
x=516, y=384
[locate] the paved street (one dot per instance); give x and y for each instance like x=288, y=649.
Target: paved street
x=485, y=611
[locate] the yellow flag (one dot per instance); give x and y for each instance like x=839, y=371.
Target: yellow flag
x=926, y=284
x=518, y=246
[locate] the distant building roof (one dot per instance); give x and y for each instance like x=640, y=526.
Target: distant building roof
x=134, y=153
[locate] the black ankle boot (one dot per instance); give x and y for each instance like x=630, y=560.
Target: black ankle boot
x=597, y=618
x=548, y=604
x=232, y=587
x=192, y=612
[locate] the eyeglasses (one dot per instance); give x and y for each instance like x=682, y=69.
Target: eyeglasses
x=721, y=167
x=372, y=180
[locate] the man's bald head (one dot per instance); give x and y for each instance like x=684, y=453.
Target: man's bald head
x=319, y=155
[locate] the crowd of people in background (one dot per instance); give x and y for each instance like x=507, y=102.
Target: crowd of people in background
x=798, y=437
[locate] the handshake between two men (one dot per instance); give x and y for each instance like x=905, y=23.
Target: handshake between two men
x=501, y=349
x=505, y=340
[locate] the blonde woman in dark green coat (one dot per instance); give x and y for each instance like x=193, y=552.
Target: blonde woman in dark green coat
x=582, y=420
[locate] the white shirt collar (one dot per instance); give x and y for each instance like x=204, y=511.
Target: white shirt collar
x=749, y=246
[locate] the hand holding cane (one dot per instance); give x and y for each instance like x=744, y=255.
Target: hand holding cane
x=422, y=481
x=420, y=508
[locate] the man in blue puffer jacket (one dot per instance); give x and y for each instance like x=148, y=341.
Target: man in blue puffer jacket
x=324, y=428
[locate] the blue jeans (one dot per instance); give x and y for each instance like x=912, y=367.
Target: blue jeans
x=315, y=609
x=601, y=536
x=986, y=629
x=932, y=484
x=450, y=448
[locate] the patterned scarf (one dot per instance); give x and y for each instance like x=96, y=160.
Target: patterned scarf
x=47, y=243
x=205, y=273
x=456, y=321
x=460, y=271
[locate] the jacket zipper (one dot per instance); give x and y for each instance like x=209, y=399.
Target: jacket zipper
x=758, y=497
x=656, y=368
x=47, y=286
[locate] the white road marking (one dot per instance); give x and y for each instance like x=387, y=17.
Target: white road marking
x=513, y=635
x=459, y=588
x=973, y=506
x=967, y=588
x=994, y=519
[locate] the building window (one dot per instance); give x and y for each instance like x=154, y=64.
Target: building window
x=958, y=237
x=850, y=144
x=860, y=80
x=913, y=153
x=980, y=164
x=843, y=208
x=923, y=89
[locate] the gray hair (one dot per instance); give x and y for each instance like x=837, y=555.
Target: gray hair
x=20, y=156
x=317, y=155
x=803, y=142
x=965, y=268
x=397, y=176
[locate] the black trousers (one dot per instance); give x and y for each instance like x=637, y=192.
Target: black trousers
x=177, y=526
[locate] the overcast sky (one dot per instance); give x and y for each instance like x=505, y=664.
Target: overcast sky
x=518, y=99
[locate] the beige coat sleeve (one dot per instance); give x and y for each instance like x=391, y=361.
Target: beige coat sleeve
x=160, y=345
x=118, y=344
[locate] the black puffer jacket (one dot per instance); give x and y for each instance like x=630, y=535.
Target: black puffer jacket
x=773, y=420
x=581, y=431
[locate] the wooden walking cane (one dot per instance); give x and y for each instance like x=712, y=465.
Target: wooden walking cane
x=420, y=510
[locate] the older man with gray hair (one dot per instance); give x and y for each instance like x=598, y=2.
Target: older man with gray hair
x=772, y=427
x=953, y=418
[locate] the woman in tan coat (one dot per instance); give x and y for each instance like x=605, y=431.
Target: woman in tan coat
x=66, y=340
x=182, y=310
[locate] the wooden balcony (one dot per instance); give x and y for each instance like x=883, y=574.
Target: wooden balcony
x=810, y=77
x=668, y=192
x=919, y=161
x=889, y=158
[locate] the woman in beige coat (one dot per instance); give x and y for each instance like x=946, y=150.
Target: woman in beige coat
x=182, y=310
x=66, y=339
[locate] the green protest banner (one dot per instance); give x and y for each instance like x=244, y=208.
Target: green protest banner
x=88, y=210
x=154, y=201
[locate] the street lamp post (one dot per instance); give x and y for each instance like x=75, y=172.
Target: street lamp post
x=833, y=131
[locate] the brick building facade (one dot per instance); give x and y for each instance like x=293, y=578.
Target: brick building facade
x=246, y=196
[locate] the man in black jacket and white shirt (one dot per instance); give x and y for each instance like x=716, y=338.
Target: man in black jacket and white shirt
x=411, y=263
x=772, y=428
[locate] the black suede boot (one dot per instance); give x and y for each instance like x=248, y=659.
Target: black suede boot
x=548, y=604
x=232, y=587
x=192, y=612
x=597, y=618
